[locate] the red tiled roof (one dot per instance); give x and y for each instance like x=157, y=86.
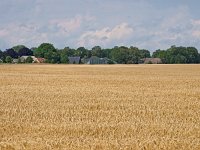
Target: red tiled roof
x=41, y=60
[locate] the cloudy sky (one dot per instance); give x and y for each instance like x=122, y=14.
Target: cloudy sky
x=148, y=24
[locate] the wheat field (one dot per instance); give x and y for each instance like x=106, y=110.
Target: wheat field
x=144, y=107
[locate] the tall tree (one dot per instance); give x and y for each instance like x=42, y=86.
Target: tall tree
x=25, y=52
x=10, y=52
x=1, y=54
x=64, y=56
x=144, y=53
x=192, y=55
x=18, y=47
x=8, y=59
x=134, y=55
x=43, y=49
x=119, y=54
x=29, y=59
x=82, y=52
x=97, y=51
x=52, y=57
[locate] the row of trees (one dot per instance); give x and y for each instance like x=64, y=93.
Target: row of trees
x=178, y=55
x=122, y=54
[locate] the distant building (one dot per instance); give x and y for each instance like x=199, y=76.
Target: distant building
x=151, y=61
x=23, y=58
x=15, y=61
x=96, y=60
x=35, y=60
x=40, y=60
x=74, y=60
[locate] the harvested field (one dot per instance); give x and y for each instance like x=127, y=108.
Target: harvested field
x=99, y=107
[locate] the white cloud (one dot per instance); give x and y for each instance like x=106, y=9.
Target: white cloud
x=196, y=33
x=106, y=35
x=176, y=28
x=67, y=25
x=32, y=34
x=196, y=22
x=147, y=24
x=3, y=32
x=17, y=33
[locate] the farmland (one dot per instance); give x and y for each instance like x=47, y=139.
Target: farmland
x=99, y=107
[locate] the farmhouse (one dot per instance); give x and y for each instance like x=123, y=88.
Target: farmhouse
x=151, y=61
x=96, y=60
x=35, y=60
x=15, y=61
x=74, y=60
x=93, y=60
x=40, y=60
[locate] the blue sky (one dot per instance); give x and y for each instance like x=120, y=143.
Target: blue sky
x=148, y=24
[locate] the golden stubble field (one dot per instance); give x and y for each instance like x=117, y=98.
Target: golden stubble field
x=99, y=107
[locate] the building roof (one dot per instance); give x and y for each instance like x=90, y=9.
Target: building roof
x=41, y=60
x=74, y=60
x=23, y=58
x=15, y=60
x=152, y=60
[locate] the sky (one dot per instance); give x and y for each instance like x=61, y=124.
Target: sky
x=147, y=24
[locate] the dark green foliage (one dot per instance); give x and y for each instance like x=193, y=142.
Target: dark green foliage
x=25, y=52
x=10, y=52
x=8, y=59
x=110, y=62
x=43, y=49
x=52, y=57
x=81, y=51
x=29, y=59
x=1, y=54
x=64, y=56
x=144, y=53
x=97, y=51
x=125, y=55
x=119, y=54
x=18, y=47
x=178, y=55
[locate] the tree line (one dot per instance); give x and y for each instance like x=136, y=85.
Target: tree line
x=119, y=54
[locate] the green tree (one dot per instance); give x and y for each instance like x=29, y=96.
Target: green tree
x=180, y=59
x=82, y=52
x=110, y=61
x=192, y=55
x=144, y=53
x=119, y=54
x=18, y=47
x=10, y=52
x=162, y=54
x=64, y=56
x=89, y=54
x=43, y=49
x=134, y=55
x=52, y=57
x=107, y=53
x=1, y=54
x=25, y=52
x=8, y=59
x=97, y=51
x=69, y=51
x=29, y=59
